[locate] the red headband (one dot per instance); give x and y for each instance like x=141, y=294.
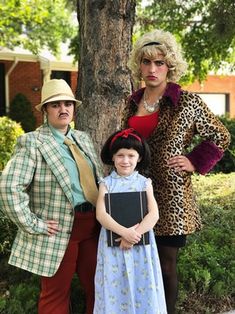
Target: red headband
x=125, y=133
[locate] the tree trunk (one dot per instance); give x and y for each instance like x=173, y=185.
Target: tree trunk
x=105, y=29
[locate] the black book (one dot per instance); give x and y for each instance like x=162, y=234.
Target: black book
x=128, y=209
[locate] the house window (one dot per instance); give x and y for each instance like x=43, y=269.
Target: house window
x=65, y=75
x=218, y=103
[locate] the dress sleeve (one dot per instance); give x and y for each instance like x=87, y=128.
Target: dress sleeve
x=104, y=182
x=147, y=182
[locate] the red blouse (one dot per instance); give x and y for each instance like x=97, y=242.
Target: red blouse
x=145, y=125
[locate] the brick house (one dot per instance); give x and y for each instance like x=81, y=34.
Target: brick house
x=218, y=91
x=22, y=72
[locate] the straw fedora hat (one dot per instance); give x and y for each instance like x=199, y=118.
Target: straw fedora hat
x=56, y=90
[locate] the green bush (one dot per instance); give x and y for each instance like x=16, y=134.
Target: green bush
x=21, y=111
x=7, y=234
x=19, y=291
x=206, y=264
x=227, y=163
x=9, y=131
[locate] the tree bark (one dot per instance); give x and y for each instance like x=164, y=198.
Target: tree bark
x=105, y=29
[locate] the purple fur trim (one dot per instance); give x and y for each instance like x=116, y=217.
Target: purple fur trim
x=204, y=156
x=173, y=91
x=137, y=95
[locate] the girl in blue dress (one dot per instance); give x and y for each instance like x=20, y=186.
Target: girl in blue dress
x=128, y=277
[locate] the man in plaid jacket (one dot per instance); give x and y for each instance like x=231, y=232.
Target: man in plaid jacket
x=40, y=192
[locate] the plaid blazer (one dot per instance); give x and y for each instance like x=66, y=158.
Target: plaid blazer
x=35, y=187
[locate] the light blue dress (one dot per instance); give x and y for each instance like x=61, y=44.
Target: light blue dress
x=128, y=281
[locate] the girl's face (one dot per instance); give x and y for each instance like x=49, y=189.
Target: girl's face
x=125, y=161
x=154, y=71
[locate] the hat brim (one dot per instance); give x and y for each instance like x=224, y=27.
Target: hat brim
x=55, y=98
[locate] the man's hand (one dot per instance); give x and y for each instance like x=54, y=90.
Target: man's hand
x=181, y=163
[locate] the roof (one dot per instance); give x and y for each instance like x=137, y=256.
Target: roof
x=47, y=60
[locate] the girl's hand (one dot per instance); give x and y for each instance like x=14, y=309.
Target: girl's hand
x=125, y=245
x=52, y=227
x=131, y=235
x=181, y=163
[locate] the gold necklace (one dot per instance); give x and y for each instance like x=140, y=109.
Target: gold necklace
x=153, y=107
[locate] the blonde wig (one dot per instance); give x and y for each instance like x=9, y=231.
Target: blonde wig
x=150, y=45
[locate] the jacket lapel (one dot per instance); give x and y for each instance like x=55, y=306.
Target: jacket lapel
x=49, y=149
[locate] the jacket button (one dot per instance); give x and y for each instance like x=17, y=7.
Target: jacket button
x=71, y=213
x=69, y=232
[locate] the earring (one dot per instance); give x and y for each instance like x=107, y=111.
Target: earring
x=141, y=83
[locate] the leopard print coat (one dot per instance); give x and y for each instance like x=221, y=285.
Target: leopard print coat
x=182, y=115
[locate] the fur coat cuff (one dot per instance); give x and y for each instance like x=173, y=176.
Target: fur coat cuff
x=205, y=156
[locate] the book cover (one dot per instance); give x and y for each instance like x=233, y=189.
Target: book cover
x=128, y=209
